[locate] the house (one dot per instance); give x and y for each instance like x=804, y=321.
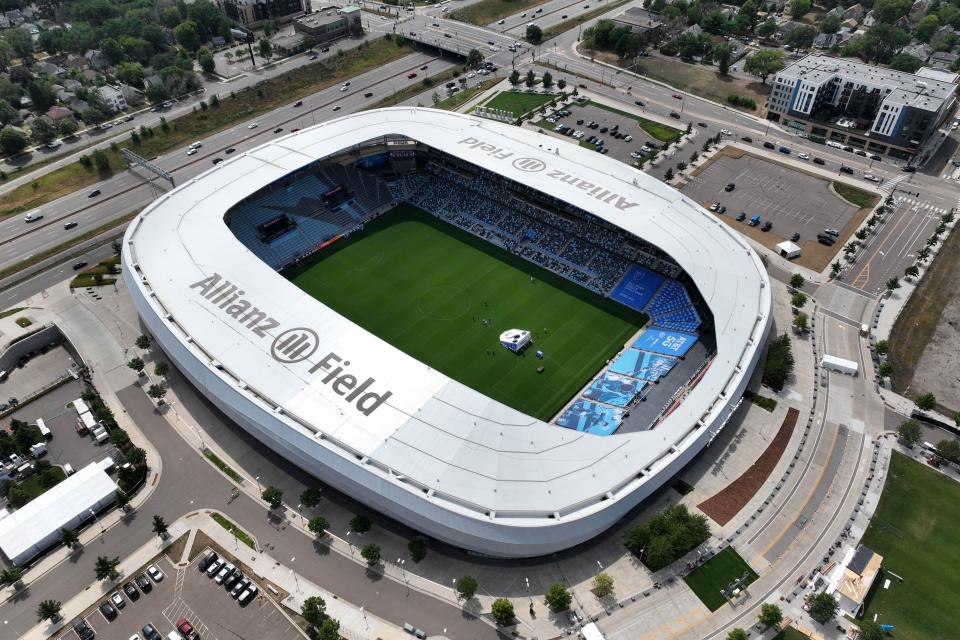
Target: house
x=836, y=12
x=56, y=113
x=51, y=69
x=71, y=85
x=254, y=12
x=919, y=9
x=112, y=97
x=64, y=96
x=869, y=20
x=15, y=17
x=641, y=21
x=693, y=30
x=855, y=12
x=827, y=40
x=4, y=22
x=918, y=50
x=850, y=580
x=849, y=23
x=218, y=41
x=46, y=25
x=132, y=95
x=95, y=59
x=153, y=79
x=943, y=60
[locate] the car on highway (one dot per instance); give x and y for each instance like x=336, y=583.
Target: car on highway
x=769, y=145
x=217, y=160
x=423, y=68
x=730, y=187
x=324, y=49
x=876, y=158
x=191, y=151
x=155, y=574
x=447, y=35
x=412, y=74
x=818, y=161
x=108, y=611
x=639, y=103
x=298, y=103
x=803, y=156
x=582, y=85
x=93, y=193
x=784, y=150
x=252, y=125
x=145, y=585
x=675, y=115
x=563, y=17
x=726, y=132
x=846, y=170
x=871, y=177
x=702, y=124
x=747, y=139
x=32, y=217
x=337, y=108
x=54, y=144
x=229, y=150
x=79, y=265
x=909, y=169
x=500, y=22
x=314, y=56
x=278, y=130
x=69, y=225
x=678, y=96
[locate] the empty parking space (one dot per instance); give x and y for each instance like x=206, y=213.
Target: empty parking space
x=790, y=199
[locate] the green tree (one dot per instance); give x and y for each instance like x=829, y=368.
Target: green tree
x=266, y=49
x=417, y=549
x=514, y=78
x=893, y=283
x=903, y=61
x=949, y=450
x=557, y=597
x=206, y=61
x=890, y=11
x=143, y=342
x=885, y=370
x=767, y=28
x=801, y=37
x=272, y=496
x=561, y=84
x=799, y=8
x=69, y=537
x=881, y=347
x=746, y=17
x=722, y=53
x=310, y=497
x=800, y=322
x=12, y=575
x=161, y=369
x=715, y=22
x=41, y=131
x=830, y=24
x=502, y=612
x=927, y=26
x=12, y=141
x=474, y=58
x=466, y=587
x=313, y=610
x=912, y=271
x=737, y=634
x=137, y=364
x=870, y=630
x=797, y=281
x=770, y=615
x=329, y=630
x=547, y=80
x=160, y=526
x=371, y=553
x=779, y=363
x=668, y=176
x=121, y=499
x=360, y=524
x=798, y=300
x=882, y=40
x=67, y=127
x=49, y=610
x=534, y=34
x=602, y=585
x=137, y=456
x=318, y=526
x=531, y=79
x=106, y=567
x=157, y=391
x=765, y=63
x=823, y=607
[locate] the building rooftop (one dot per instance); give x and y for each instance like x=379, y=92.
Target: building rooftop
x=905, y=88
x=854, y=575
x=640, y=18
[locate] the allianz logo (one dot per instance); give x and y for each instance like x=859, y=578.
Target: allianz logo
x=290, y=346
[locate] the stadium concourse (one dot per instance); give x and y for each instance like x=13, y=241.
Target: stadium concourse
x=352, y=320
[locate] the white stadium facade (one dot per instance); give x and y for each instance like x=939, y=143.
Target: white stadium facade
x=409, y=441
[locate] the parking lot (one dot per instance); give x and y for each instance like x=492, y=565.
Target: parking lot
x=793, y=201
x=619, y=148
x=188, y=593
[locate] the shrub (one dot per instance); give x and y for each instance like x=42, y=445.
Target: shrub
x=466, y=587
x=371, y=553
x=417, y=549
x=360, y=524
x=666, y=536
x=779, y=363
x=602, y=585
x=557, y=597
x=742, y=101
x=502, y=612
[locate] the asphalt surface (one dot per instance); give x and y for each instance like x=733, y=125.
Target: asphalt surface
x=188, y=483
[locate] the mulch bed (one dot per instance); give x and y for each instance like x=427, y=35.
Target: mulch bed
x=723, y=506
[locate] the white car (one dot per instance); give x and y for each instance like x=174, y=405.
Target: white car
x=471, y=75
x=501, y=22
x=117, y=600
x=956, y=123
x=343, y=88
x=726, y=132
x=252, y=125
x=196, y=145
x=155, y=573
x=871, y=177
x=191, y=151
x=32, y=217
x=803, y=156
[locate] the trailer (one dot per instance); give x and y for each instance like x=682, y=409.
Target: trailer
x=841, y=365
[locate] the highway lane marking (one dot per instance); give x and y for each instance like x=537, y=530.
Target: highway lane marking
x=890, y=231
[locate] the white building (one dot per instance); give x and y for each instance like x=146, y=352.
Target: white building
x=112, y=97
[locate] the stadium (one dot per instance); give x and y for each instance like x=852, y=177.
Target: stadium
x=500, y=339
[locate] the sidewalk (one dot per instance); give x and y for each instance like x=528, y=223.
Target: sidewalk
x=354, y=621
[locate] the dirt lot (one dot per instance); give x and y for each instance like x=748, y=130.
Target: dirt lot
x=925, y=341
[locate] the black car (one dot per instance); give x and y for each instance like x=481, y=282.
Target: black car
x=368, y=94
x=205, y=562
x=69, y=225
x=232, y=580
x=108, y=611
x=769, y=145
x=79, y=265
x=278, y=130
x=741, y=216
x=721, y=209
x=150, y=632
x=825, y=240
x=217, y=160
x=846, y=170
x=702, y=124
x=909, y=169
x=639, y=103
x=747, y=139
x=447, y=35
x=604, y=129
x=94, y=193
x=229, y=151
x=324, y=49
x=766, y=226
x=83, y=629
x=730, y=187
x=131, y=591
x=423, y=68
x=794, y=237
x=674, y=115
x=145, y=585
x=818, y=161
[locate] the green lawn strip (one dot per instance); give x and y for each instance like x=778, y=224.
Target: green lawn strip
x=10, y=312
x=425, y=287
x=486, y=11
x=435, y=81
x=791, y=634
x=914, y=529
x=223, y=466
x=661, y=132
x=32, y=484
x=518, y=103
x=709, y=579
x=237, y=532
x=543, y=124
x=570, y=23
x=855, y=196
x=91, y=281
x=460, y=97
x=244, y=104
x=761, y=401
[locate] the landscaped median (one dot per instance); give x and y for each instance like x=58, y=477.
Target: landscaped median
x=485, y=12
x=211, y=116
x=236, y=531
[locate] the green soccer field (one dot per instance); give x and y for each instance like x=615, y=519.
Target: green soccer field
x=714, y=575
x=915, y=530
x=426, y=286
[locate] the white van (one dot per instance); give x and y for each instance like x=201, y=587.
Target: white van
x=247, y=595
x=44, y=431
x=834, y=144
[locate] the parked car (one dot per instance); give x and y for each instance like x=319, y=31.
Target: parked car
x=186, y=629
x=730, y=187
x=150, y=632
x=794, y=237
x=207, y=560
x=747, y=139
x=145, y=585
x=247, y=595
x=871, y=177
x=741, y=216
x=909, y=169
x=108, y=611
x=766, y=226
x=155, y=573
x=215, y=567
x=232, y=579
x=726, y=132
x=131, y=592
x=832, y=232
x=224, y=573
x=82, y=629
x=240, y=587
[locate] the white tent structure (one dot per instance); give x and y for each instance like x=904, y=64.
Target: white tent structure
x=30, y=530
x=788, y=250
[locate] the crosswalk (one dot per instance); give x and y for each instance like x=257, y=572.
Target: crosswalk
x=888, y=186
x=918, y=205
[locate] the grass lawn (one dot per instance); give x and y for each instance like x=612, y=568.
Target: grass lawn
x=791, y=634
x=914, y=529
x=465, y=95
x=517, y=102
x=247, y=103
x=424, y=286
x=487, y=11
x=32, y=484
x=710, y=578
x=10, y=312
x=101, y=274
x=855, y=196
x=661, y=132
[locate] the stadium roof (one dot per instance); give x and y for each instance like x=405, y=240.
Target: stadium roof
x=433, y=434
